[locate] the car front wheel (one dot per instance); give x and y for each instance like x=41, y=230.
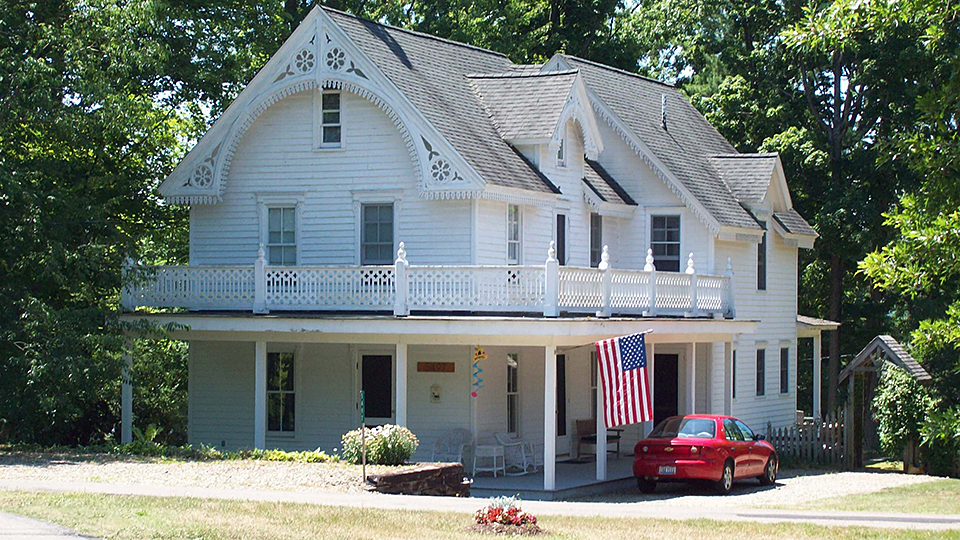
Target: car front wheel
x=725, y=484
x=646, y=486
x=769, y=472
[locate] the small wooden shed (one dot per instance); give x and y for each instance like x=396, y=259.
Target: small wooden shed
x=860, y=428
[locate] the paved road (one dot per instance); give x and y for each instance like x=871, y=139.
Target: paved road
x=632, y=509
x=14, y=526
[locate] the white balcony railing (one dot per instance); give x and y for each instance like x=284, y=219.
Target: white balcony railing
x=548, y=289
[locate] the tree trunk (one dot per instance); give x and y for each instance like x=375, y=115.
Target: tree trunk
x=836, y=285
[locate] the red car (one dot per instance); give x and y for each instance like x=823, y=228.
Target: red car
x=719, y=449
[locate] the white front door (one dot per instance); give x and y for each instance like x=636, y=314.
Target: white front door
x=377, y=378
x=563, y=423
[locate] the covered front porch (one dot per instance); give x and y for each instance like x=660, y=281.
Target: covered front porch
x=426, y=367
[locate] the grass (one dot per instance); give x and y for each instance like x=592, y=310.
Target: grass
x=934, y=497
x=129, y=517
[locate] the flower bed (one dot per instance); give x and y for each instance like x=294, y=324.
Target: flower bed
x=504, y=516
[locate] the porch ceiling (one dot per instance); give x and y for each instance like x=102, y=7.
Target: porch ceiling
x=438, y=330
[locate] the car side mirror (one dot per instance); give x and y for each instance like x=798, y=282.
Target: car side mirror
x=758, y=437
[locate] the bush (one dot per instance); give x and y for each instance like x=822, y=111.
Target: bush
x=900, y=406
x=940, y=443
x=386, y=445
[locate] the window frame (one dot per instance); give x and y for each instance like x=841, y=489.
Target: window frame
x=761, y=372
x=658, y=262
x=281, y=245
x=513, y=416
x=268, y=200
x=561, y=230
x=762, y=259
x=393, y=233
x=596, y=241
x=518, y=241
x=562, y=154
x=319, y=111
x=784, y=370
x=294, y=354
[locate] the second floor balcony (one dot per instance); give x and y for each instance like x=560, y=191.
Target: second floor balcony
x=549, y=290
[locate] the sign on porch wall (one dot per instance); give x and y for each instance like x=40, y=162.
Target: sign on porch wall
x=436, y=367
x=478, y=355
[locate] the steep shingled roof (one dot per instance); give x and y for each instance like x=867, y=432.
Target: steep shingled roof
x=747, y=175
x=794, y=223
x=524, y=106
x=600, y=182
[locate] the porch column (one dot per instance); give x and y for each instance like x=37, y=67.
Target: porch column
x=816, y=375
x=401, y=384
x=126, y=394
x=260, y=396
x=728, y=378
x=692, y=379
x=601, y=430
x=550, y=418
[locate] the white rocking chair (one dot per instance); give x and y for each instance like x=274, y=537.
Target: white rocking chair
x=519, y=454
x=450, y=446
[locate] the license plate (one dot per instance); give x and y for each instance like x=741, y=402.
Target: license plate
x=668, y=469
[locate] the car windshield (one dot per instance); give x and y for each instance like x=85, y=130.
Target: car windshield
x=684, y=427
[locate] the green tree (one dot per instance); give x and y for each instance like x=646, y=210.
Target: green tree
x=900, y=406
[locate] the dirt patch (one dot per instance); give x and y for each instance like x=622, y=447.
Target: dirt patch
x=506, y=530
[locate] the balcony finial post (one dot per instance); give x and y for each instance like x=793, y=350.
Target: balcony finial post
x=551, y=283
x=652, y=294
x=400, y=308
x=606, y=284
x=260, y=281
x=731, y=310
x=126, y=288
x=692, y=272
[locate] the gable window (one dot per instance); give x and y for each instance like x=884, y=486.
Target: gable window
x=513, y=234
x=561, y=155
x=665, y=242
x=376, y=234
x=733, y=376
x=762, y=260
x=513, y=394
x=282, y=236
x=330, y=120
x=562, y=239
x=784, y=370
x=761, y=371
x=596, y=239
x=280, y=392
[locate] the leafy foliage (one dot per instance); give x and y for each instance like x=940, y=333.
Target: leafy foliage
x=386, y=445
x=900, y=406
x=940, y=443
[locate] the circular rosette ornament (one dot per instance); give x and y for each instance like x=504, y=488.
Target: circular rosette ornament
x=202, y=176
x=336, y=58
x=440, y=170
x=304, y=61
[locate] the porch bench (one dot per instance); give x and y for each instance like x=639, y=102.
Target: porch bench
x=586, y=430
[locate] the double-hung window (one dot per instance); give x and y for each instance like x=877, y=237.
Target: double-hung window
x=280, y=392
x=762, y=260
x=513, y=234
x=376, y=234
x=596, y=239
x=331, y=128
x=761, y=371
x=784, y=370
x=513, y=394
x=665, y=242
x=282, y=236
x=561, y=155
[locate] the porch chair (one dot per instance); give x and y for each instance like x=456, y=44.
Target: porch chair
x=519, y=454
x=587, y=437
x=451, y=445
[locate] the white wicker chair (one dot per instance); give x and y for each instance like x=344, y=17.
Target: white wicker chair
x=451, y=445
x=519, y=454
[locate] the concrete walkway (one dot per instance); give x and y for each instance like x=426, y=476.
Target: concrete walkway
x=451, y=504
x=14, y=526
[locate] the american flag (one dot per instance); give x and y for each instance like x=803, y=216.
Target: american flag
x=623, y=378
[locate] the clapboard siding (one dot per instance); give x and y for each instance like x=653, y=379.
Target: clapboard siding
x=276, y=155
x=220, y=400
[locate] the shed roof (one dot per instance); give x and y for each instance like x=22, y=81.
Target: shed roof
x=891, y=351
x=793, y=223
x=600, y=182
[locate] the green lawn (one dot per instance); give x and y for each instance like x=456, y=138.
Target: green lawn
x=121, y=517
x=935, y=497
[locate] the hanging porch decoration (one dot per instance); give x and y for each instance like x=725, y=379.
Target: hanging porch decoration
x=478, y=355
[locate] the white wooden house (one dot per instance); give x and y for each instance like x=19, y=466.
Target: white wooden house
x=377, y=203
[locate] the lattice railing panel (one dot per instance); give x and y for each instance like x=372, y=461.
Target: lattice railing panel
x=346, y=288
x=712, y=293
x=196, y=287
x=629, y=290
x=580, y=287
x=476, y=288
x=673, y=291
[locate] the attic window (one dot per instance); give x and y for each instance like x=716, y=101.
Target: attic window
x=561, y=155
x=330, y=126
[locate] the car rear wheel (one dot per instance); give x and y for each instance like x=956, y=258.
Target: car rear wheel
x=646, y=486
x=769, y=472
x=725, y=484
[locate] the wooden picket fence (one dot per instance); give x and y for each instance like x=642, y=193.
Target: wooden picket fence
x=810, y=441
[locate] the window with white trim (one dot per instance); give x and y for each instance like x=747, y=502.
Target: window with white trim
x=513, y=234
x=596, y=239
x=282, y=236
x=513, y=393
x=281, y=394
x=376, y=234
x=561, y=155
x=784, y=370
x=665, y=242
x=331, y=128
x=761, y=372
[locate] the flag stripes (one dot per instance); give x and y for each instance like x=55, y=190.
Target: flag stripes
x=623, y=377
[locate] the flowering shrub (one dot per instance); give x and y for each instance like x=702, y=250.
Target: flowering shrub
x=386, y=445
x=504, y=511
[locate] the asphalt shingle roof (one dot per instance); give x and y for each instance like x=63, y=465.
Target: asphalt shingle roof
x=601, y=183
x=746, y=175
x=794, y=223
x=524, y=106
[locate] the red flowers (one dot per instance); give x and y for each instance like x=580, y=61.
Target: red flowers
x=504, y=515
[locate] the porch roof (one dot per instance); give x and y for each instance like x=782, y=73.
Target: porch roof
x=437, y=329
x=812, y=326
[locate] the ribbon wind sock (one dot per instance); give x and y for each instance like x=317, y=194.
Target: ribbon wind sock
x=478, y=355
x=623, y=377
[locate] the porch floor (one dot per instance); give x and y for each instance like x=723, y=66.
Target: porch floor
x=573, y=480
